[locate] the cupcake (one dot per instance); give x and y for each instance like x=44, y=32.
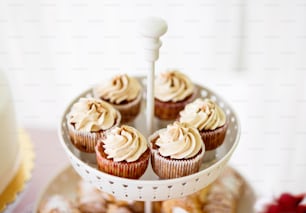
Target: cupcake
x=58, y=204
x=87, y=121
x=123, y=152
x=173, y=90
x=124, y=93
x=177, y=151
x=209, y=119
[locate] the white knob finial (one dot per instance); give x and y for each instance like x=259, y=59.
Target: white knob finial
x=152, y=28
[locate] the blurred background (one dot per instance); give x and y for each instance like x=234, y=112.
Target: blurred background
x=253, y=53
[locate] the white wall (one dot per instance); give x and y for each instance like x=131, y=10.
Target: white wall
x=52, y=50
x=251, y=52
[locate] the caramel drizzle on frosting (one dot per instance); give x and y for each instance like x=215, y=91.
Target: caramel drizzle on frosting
x=173, y=86
x=92, y=115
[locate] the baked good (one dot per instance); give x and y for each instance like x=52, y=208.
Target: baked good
x=177, y=151
x=188, y=204
x=58, y=204
x=87, y=121
x=118, y=209
x=9, y=146
x=224, y=193
x=124, y=93
x=173, y=90
x=123, y=152
x=219, y=197
x=209, y=119
x=90, y=199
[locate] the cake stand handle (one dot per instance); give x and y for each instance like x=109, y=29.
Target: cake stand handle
x=151, y=29
x=148, y=207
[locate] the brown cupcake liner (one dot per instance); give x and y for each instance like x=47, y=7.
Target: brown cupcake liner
x=170, y=110
x=214, y=138
x=131, y=170
x=130, y=110
x=86, y=141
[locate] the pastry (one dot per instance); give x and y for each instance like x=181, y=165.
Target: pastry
x=87, y=121
x=173, y=90
x=58, y=204
x=209, y=119
x=224, y=193
x=123, y=152
x=124, y=93
x=90, y=199
x=219, y=197
x=177, y=151
x=118, y=209
x=188, y=204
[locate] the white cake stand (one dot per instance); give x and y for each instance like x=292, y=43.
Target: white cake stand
x=149, y=187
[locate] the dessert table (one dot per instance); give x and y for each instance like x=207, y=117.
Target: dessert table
x=49, y=159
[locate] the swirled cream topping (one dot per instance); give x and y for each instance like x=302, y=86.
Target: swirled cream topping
x=179, y=141
x=92, y=115
x=119, y=89
x=204, y=114
x=173, y=86
x=124, y=143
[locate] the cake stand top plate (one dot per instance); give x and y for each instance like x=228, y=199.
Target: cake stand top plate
x=149, y=187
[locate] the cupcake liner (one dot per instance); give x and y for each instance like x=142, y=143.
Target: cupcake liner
x=130, y=110
x=131, y=170
x=214, y=138
x=86, y=141
x=170, y=110
x=167, y=168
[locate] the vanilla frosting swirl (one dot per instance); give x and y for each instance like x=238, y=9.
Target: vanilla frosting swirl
x=204, y=114
x=92, y=115
x=173, y=86
x=119, y=89
x=124, y=143
x=179, y=141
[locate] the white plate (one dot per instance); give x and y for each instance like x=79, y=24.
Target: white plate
x=65, y=183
